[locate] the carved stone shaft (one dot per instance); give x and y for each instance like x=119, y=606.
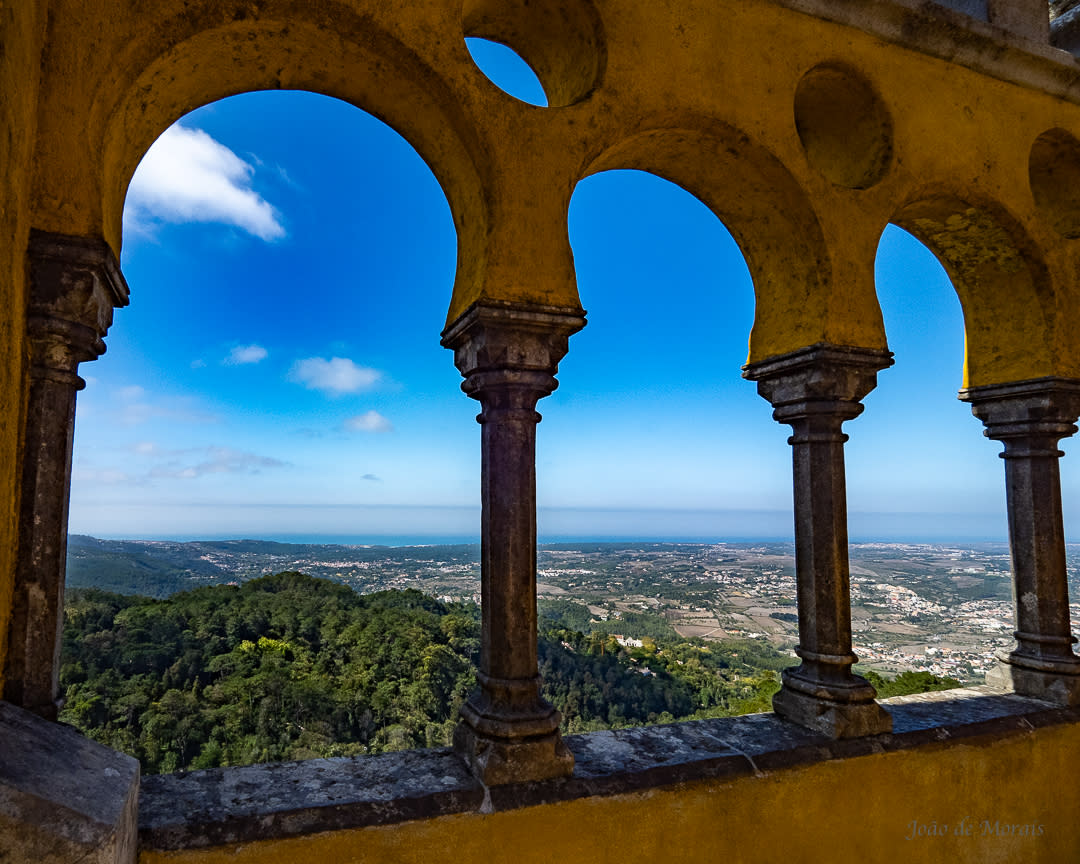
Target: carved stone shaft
x=1029, y=19
x=75, y=283
x=815, y=390
x=1030, y=418
x=508, y=356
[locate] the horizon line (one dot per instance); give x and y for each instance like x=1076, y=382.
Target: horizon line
x=435, y=539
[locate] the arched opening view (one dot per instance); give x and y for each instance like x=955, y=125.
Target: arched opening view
x=686, y=610
x=276, y=386
x=294, y=438
x=930, y=571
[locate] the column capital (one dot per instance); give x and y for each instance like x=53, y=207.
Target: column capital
x=505, y=343
x=1039, y=406
x=75, y=283
x=818, y=379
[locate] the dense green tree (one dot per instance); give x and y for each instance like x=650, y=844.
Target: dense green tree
x=907, y=683
x=293, y=667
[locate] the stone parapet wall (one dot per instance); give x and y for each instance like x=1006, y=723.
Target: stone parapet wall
x=963, y=772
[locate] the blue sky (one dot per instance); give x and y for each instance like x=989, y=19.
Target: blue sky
x=279, y=373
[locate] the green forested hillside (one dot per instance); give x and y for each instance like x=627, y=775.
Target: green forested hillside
x=135, y=568
x=160, y=568
x=292, y=667
x=282, y=667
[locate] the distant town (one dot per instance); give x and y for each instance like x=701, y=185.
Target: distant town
x=940, y=608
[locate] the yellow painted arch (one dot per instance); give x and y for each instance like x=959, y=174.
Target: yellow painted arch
x=771, y=219
x=1000, y=278
x=184, y=64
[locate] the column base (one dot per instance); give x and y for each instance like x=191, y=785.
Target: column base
x=64, y=797
x=849, y=715
x=47, y=710
x=1059, y=687
x=496, y=761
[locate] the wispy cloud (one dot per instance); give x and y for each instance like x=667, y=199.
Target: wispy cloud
x=132, y=393
x=243, y=355
x=101, y=476
x=200, y=461
x=187, y=176
x=284, y=175
x=369, y=421
x=147, y=462
x=373, y=477
x=136, y=407
x=335, y=376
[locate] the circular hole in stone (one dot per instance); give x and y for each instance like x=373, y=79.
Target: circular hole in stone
x=844, y=127
x=507, y=71
x=561, y=41
x=1054, y=173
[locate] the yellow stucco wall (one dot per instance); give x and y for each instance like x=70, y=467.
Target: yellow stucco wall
x=700, y=92
x=858, y=810
x=22, y=32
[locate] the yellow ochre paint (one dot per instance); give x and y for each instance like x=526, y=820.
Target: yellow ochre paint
x=1010, y=799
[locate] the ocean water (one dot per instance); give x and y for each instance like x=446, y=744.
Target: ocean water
x=430, y=539
x=311, y=539
x=577, y=525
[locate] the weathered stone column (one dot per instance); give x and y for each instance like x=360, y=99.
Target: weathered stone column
x=75, y=282
x=509, y=356
x=1030, y=418
x=1029, y=19
x=815, y=390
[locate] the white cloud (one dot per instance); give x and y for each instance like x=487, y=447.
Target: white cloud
x=371, y=421
x=198, y=462
x=245, y=354
x=334, y=376
x=187, y=176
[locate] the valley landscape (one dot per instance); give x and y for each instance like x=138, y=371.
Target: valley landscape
x=941, y=608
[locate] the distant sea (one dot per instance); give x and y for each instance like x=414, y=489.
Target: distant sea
x=309, y=539
x=455, y=540
x=583, y=525
x=429, y=539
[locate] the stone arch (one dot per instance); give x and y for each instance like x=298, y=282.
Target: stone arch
x=775, y=226
x=1001, y=279
x=336, y=55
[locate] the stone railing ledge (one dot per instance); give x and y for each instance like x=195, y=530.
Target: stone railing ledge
x=225, y=806
x=63, y=797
